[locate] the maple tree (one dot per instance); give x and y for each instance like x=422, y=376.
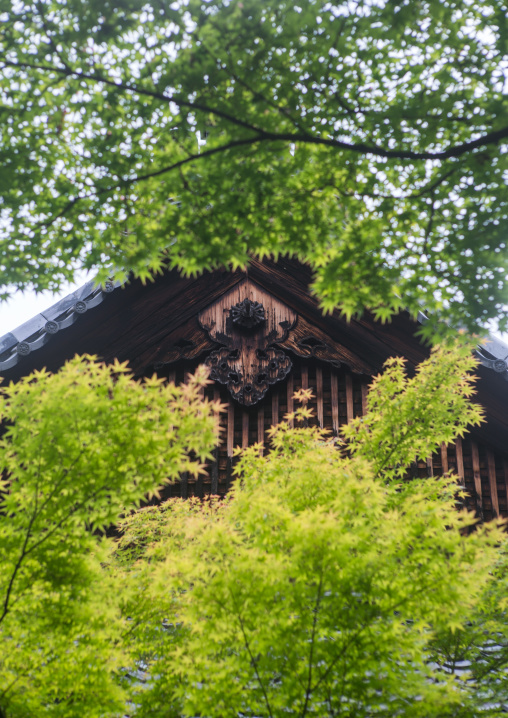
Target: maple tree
x=79, y=447
x=325, y=583
x=367, y=138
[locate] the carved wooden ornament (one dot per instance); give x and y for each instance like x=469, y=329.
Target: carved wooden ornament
x=247, y=321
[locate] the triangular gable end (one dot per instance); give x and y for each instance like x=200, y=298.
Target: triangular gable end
x=268, y=329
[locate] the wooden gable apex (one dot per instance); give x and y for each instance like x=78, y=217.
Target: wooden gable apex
x=193, y=320
x=266, y=327
x=167, y=321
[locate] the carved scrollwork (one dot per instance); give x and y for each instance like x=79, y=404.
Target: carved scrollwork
x=248, y=384
x=247, y=321
x=309, y=345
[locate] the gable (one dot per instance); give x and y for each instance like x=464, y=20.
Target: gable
x=174, y=323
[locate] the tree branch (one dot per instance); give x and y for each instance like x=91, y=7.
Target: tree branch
x=24, y=550
x=156, y=173
x=308, y=690
x=456, y=151
x=252, y=659
x=363, y=626
x=78, y=75
x=255, y=93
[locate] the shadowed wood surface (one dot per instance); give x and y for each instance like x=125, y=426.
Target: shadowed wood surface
x=156, y=328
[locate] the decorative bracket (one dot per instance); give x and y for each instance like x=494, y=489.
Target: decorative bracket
x=247, y=321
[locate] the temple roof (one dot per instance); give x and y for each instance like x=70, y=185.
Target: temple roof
x=153, y=325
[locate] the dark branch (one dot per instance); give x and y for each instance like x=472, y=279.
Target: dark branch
x=361, y=147
x=24, y=549
x=315, y=618
x=93, y=77
x=251, y=656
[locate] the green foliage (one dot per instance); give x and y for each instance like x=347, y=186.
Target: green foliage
x=402, y=424
x=478, y=653
x=368, y=139
x=322, y=586
x=325, y=584
x=80, y=447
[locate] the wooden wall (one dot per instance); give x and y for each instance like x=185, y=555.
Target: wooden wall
x=339, y=395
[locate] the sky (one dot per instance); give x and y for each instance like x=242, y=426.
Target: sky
x=23, y=306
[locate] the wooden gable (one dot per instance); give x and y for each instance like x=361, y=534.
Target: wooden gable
x=263, y=336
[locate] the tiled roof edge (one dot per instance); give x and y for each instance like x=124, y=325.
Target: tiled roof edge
x=493, y=354
x=36, y=332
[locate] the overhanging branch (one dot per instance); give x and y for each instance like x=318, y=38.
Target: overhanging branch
x=490, y=138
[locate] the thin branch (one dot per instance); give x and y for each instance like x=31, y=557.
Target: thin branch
x=456, y=151
x=24, y=550
x=433, y=186
x=134, y=89
x=252, y=659
x=308, y=690
x=255, y=93
x=156, y=173
x=356, y=634
x=7, y=689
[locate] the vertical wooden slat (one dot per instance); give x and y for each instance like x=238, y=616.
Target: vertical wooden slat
x=477, y=477
x=214, y=474
x=214, y=488
x=505, y=470
x=334, y=386
x=305, y=376
x=460, y=461
x=231, y=428
x=365, y=390
x=245, y=429
x=229, y=472
x=184, y=485
x=199, y=479
x=261, y=427
x=230, y=438
x=291, y=401
x=319, y=392
x=349, y=397
x=430, y=467
x=491, y=463
x=218, y=414
x=444, y=459
x=305, y=385
x=275, y=406
x=171, y=376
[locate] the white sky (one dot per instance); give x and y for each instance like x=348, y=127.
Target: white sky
x=23, y=306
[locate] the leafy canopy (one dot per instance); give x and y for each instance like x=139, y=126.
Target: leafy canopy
x=80, y=448
x=325, y=584
x=322, y=586
x=367, y=138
